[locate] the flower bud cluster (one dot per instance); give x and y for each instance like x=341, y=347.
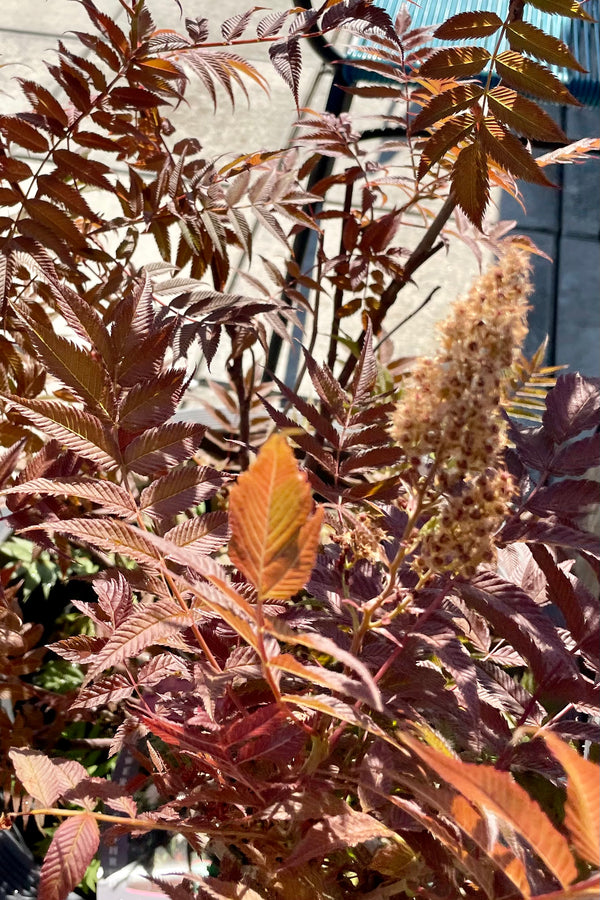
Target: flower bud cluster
x=451, y=412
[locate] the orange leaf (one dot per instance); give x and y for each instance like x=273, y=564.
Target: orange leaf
x=274, y=536
x=582, y=807
x=497, y=792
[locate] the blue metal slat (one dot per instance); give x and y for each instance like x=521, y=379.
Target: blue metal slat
x=582, y=37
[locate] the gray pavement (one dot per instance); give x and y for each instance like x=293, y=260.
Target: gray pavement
x=565, y=222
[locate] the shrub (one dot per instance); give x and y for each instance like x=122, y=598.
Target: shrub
x=364, y=666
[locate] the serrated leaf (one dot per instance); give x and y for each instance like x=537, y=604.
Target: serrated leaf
x=205, y=533
x=43, y=102
x=532, y=78
x=235, y=26
x=111, y=498
x=523, y=115
x=471, y=183
x=75, y=428
x=109, y=689
x=67, y=195
x=575, y=152
x=322, y=644
x=577, y=457
x=466, y=25
x=270, y=24
x=571, y=8
x=582, y=807
x=445, y=138
x=287, y=61
x=455, y=62
x=366, y=368
x=508, y=151
x=572, y=406
x=274, y=537
x=179, y=490
x=148, y=625
x=37, y=774
x=81, y=169
x=113, y=537
x=496, y=791
x=157, y=449
x=512, y=613
x=74, y=366
x=337, y=709
x=526, y=38
x=23, y=134
x=73, y=846
x=571, y=497
x=152, y=402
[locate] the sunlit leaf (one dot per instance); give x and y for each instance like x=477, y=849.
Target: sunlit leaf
x=582, y=807
x=274, y=535
x=73, y=846
x=496, y=791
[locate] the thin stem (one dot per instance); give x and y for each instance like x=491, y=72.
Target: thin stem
x=425, y=249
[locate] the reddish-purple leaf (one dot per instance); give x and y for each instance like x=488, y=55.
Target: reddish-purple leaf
x=150, y=624
x=108, y=689
x=180, y=490
x=157, y=449
x=572, y=406
x=37, y=774
x=110, y=497
x=287, y=60
x=23, y=134
x=73, y=846
x=75, y=428
x=577, y=457
x=571, y=498
x=205, y=534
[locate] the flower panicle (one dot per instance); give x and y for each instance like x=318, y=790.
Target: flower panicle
x=451, y=411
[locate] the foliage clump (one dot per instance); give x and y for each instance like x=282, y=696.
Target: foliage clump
x=339, y=632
